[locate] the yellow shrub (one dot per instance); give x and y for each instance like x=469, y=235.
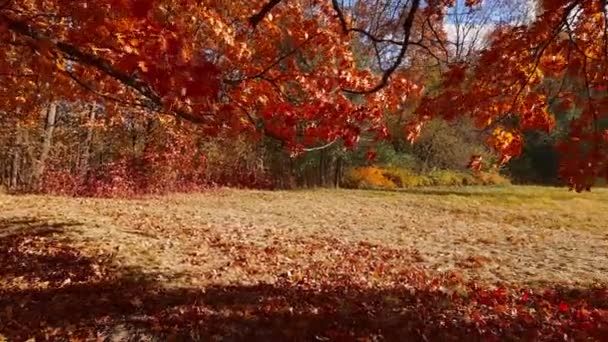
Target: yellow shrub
x=396, y=175
x=376, y=177
x=404, y=178
x=492, y=178
x=369, y=177
x=417, y=180
x=448, y=178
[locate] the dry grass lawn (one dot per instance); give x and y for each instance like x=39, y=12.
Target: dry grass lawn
x=522, y=235
x=235, y=265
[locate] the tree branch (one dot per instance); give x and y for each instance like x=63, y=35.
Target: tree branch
x=283, y=57
x=100, y=94
x=340, y=15
x=154, y=102
x=407, y=28
x=84, y=58
x=322, y=147
x=255, y=19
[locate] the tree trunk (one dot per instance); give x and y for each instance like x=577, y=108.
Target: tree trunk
x=86, y=154
x=3, y=175
x=322, y=168
x=338, y=172
x=16, y=162
x=15, y=171
x=47, y=142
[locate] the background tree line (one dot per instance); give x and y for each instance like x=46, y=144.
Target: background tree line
x=92, y=147
x=77, y=148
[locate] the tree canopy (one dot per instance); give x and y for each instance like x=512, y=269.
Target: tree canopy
x=310, y=72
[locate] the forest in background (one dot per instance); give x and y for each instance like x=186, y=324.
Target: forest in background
x=131, y=115
x=74, y=150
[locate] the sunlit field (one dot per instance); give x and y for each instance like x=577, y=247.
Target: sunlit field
x=283, y=251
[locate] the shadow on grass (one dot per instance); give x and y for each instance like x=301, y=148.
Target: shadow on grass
x=52, y=291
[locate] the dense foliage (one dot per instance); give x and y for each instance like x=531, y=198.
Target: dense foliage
x=308, y=75
x=123, y=97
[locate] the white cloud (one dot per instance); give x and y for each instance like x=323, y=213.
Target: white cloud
x=469, y=29
x=468, y=35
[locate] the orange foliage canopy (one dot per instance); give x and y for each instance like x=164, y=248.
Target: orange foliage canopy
x=290, y=70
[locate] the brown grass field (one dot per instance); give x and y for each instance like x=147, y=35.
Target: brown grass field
x=240, y=239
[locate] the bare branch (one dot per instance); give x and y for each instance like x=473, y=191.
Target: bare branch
x=322, y=147
x=436, y=34
x=407, y=28
x=100, y=94
x=340, y=15
x=427, y=50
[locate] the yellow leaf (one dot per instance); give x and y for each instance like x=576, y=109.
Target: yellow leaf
x=142, y=66
x=60, y=64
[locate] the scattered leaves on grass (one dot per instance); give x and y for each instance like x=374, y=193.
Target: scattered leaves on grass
x=51, y=290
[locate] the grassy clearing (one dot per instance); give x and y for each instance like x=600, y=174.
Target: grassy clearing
x=542, y=207
x=522, y=234
x=529, y=236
